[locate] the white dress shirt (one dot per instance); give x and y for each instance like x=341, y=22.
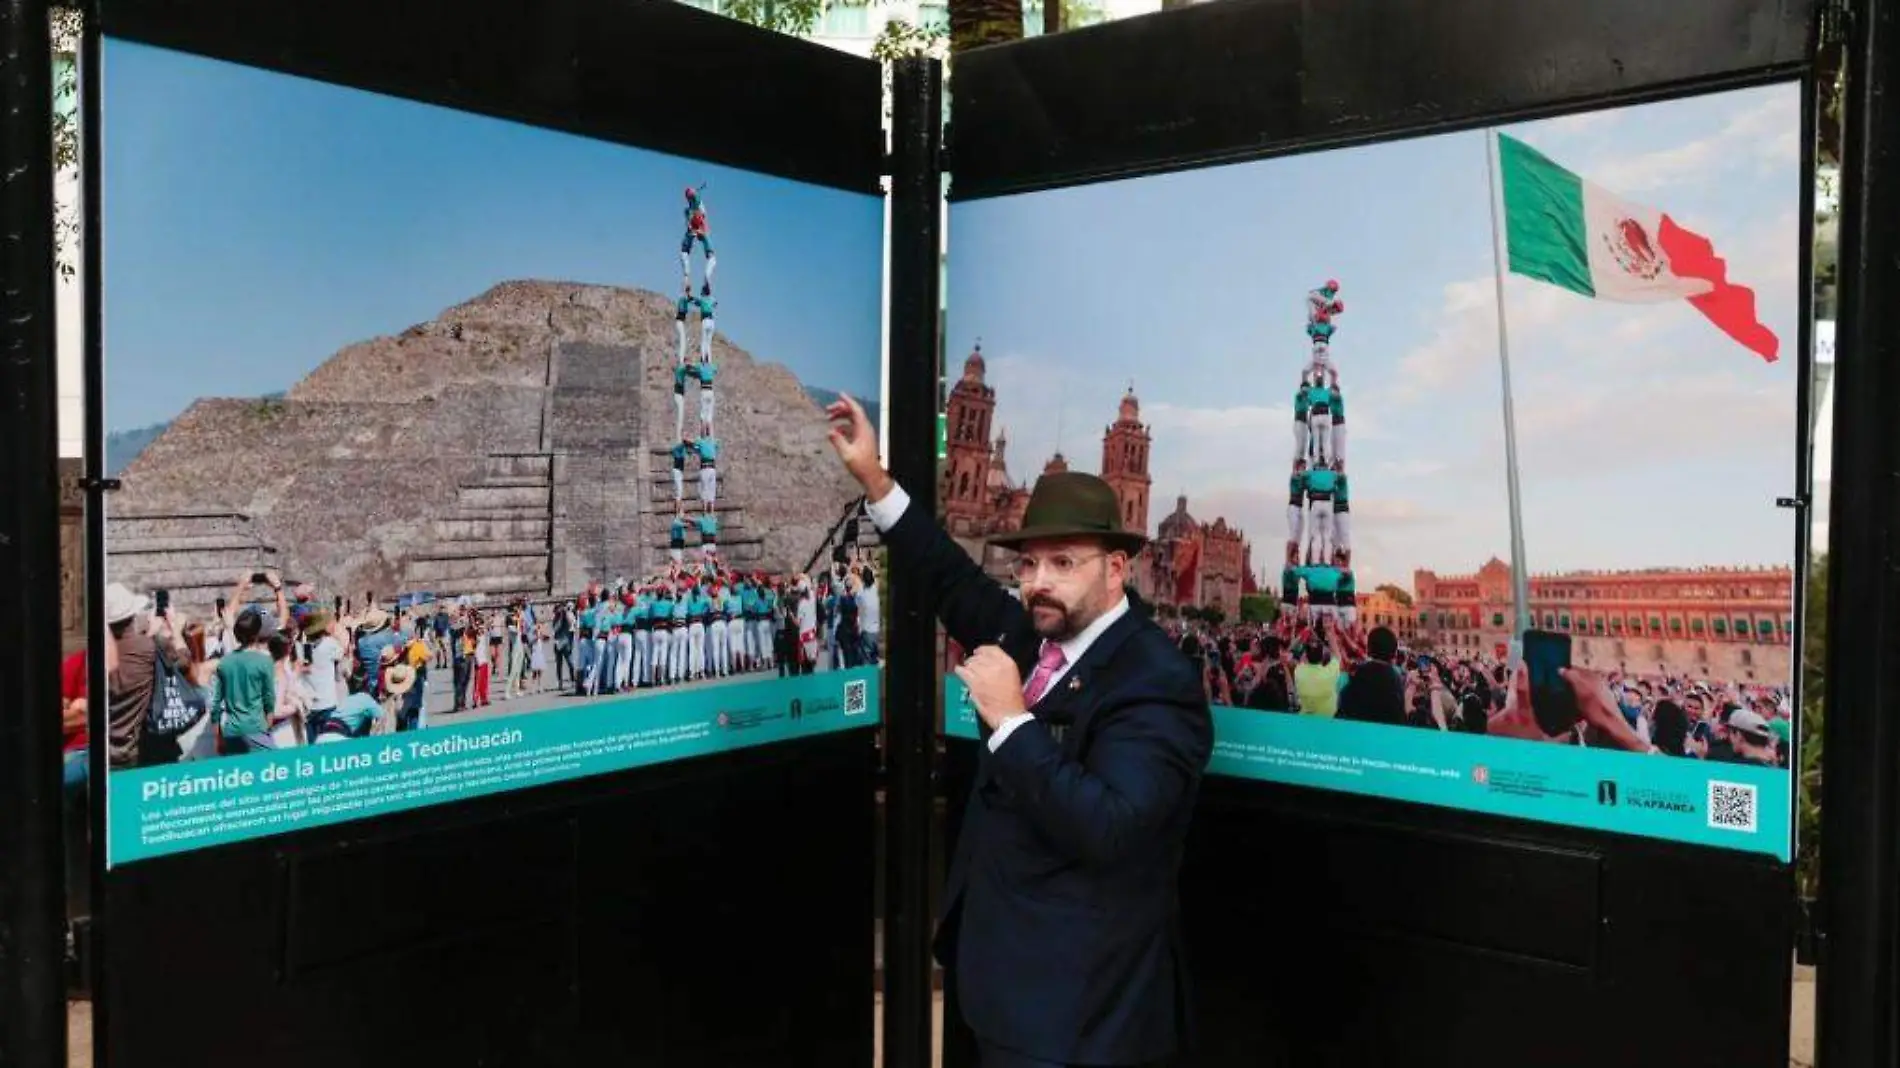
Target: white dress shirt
x=887, y=512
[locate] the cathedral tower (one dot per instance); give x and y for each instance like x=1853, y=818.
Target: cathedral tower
x=966, y=470
x=1125, y=462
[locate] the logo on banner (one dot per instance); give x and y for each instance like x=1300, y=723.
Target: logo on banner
x=1481, y=775
x=1606, y=793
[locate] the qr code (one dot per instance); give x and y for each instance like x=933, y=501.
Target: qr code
x=1732, y=806
x=854, y=702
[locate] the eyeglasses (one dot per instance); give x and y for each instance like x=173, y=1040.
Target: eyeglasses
x=1061, y=565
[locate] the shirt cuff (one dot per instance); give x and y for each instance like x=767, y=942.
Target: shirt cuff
x=1004, y=729
x=887, y=512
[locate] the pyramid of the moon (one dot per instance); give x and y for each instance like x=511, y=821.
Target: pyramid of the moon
x=512, y=445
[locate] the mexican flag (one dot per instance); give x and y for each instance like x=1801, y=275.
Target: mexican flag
x=1566, y=230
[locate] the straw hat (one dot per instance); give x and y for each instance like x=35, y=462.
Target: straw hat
x=399, y=680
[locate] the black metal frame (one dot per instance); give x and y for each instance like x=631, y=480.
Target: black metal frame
x=32, y=878
x=916, y=243
x=581, y=66
x=1253, y=79
x=1858, y=1011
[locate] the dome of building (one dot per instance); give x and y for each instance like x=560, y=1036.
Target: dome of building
x=973, y=366
x=1131, y=406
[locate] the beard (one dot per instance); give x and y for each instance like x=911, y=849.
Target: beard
x=1052, y=619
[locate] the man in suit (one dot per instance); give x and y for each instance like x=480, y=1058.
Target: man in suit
x=1059, y=927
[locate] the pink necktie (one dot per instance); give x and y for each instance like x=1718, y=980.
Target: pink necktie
x=1047, y=665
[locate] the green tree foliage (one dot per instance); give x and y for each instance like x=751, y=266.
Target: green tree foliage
x=1259, y=608
x=65, y=29
x=1397, y=594
x=1813, y=734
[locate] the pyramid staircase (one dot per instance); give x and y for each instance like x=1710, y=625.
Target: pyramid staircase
x=497, y=541
x=196, y=556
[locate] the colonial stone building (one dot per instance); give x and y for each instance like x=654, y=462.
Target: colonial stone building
x=1381, y=609
x=1197, y=565
x=1727, y=623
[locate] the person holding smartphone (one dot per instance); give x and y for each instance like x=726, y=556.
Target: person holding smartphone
x=1550, y=701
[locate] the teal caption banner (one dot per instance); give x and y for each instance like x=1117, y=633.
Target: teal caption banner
x=180, y=807
x=1734, y=806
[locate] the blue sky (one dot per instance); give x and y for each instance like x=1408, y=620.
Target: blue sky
x=256, y=223
x=1646, y=437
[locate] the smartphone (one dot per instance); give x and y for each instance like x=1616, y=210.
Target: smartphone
x=221, y=606
x=162, y=600
x=1553, y=702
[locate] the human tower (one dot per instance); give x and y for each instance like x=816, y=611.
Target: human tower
x=702, y=445
x=1318, y=569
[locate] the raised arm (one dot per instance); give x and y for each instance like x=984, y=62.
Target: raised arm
x=974, y=609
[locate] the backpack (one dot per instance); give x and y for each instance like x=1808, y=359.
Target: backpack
x=176, y=705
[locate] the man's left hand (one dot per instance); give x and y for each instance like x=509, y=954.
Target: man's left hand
x=995, y=684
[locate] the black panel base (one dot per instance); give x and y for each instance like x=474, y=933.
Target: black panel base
x=717, y=913
x=1331, y=931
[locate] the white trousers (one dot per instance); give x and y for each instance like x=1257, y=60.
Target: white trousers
x=1321, y=537
x=1322, y=424
x=662, y=639
x=697, y=637
x=720, y=652
x=1302, y=438
x=623, y=663
x=643, y=656
x=708, y=484
x=1295, y=522
x=1342, y=530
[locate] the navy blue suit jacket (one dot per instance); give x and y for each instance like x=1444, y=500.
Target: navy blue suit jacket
x=1060, y=923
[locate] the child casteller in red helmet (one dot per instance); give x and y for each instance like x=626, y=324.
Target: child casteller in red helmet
x=697, y=229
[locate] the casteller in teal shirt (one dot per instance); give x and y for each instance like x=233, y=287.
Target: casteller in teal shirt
x=1321, y=578
x=1321, y=480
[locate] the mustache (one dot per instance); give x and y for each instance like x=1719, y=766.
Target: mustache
x=1047, y=602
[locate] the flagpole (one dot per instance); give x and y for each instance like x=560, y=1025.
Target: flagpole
x=1520, y=571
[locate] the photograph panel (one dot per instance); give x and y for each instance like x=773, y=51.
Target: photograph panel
x=1293, y=372
x=426, y=421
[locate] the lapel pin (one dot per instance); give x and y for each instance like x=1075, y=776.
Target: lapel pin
x=1075, y=683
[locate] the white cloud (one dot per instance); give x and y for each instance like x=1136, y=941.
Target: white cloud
x=1464, y=341
x=1585, y=122
x=1414, y=468
x=1767, y=133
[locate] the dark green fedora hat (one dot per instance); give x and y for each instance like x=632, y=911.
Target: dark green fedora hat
x=1073, y=504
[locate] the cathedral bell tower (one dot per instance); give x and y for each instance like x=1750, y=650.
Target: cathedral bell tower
x=966, y=468
x=1125, y=462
